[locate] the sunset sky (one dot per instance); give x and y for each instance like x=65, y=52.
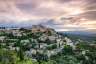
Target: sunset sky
x=61, y=15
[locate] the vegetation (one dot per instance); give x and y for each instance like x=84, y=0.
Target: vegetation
x=80, y=57
x=40, y=57
x=47, y=41
x=54, y=46
x=48, y=48
x=20, y=53
x=79, y=46
x=56, y=55
x=6, y=56
x=67, y=50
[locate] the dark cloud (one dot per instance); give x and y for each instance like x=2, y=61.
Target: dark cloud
x=90, y=1
x=63, y=1
x=70, y=20
x=64, y=18
x=26, y=6
x=3, y=11
x=83, y=1
x=51, y=22
x=91, y=15
x=93, y=7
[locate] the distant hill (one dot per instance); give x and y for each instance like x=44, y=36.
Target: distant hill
x=85, y=37
x=84, y=32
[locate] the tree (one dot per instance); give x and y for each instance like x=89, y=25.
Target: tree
x=54, y=57
x=1, y=53
x=48, y=48
x=51, y=62
x=10, y=35
x=38, y=42
x=45, y=58
x=0, y=45
x=79, y=46
x=59, y=44
x=33, y=44
x=39, y=57
x=64, y=40
x=59, y=53
x=18, y=42
x=6, y=56
x=54, y=46
x=80, y=57
x=55, y=41
x=38, y=30
x=7, y=44
x=89, y=54
x=17, y=61
x=48, y=41
x=67, y=49
x=21, y=29
x=39, y=45
x=89, y=61
x=20, y=52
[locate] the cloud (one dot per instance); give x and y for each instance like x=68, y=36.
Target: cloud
x=90, y=15
x=63, y=18
x=58, y=13
x=52, y=23
x=91, y=1
x=63, y=1
x=91, y=7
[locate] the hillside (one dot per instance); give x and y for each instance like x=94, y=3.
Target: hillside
x=90, y=38
x=41, y=45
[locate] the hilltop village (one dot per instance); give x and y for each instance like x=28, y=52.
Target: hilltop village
x=39, y=39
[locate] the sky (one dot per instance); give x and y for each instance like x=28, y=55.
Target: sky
x=61, y=15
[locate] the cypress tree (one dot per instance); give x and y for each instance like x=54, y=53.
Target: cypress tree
x=59, y=44
x=15, y=49
x=20, y=52
x=43, y=55
x=39, y=45
x=55, y=41
x=0, y=45
x=18, y=42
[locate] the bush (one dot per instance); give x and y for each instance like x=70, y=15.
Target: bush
x=0, y=45
x=89, y=61
x=67, y=50
x=79, y=46
x=48, y=48
x=7, y=56
x=64, y=40
x=54, y=46
x=89, y=54
x=59, y=53
x=67, y=58
x=21, y=29
x=80, y=57
x=38, y=56
x=0, y=59
x=7, y=44
x=54, y=57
